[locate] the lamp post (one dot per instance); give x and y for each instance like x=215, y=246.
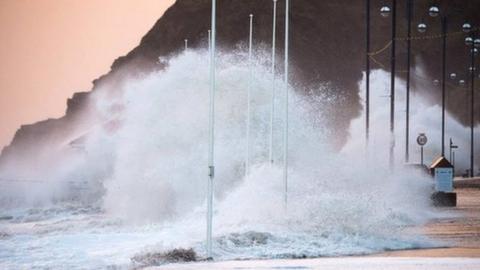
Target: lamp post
x=476, y=43
x=407, y=100
x=434, y=11
x=392, y=84
x=444, y=59
x=186, y=44
x=367, y=74
x=249, y=90
x=272, y=108
x=472, y=42
x=285, y=127
x=384, y=11
x=211, y=165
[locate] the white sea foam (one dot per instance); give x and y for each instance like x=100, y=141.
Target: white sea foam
x=145, y=169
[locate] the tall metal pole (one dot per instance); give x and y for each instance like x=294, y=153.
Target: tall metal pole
x=272, y=108
x=211, y=165
x=409, y=54
x=285, y=127
x=472, y=108
x=392, y=84
x=450, y=148
x=453, y=162
x=249, y=90
x=367, y=75
x=421, y=155
x=444, y=78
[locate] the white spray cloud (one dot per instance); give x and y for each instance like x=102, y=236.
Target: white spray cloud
x=159, y=157
x=425, y=117
x=147, y=163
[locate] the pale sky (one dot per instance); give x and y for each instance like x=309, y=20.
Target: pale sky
x=50, y=49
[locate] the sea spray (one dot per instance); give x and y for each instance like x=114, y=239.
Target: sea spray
x=146, y=165
x=341, y=194
x=425, y=117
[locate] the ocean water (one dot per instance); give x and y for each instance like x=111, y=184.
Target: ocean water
x=138, y=182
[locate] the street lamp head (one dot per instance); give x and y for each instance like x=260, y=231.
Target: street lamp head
x=475, y=51
x=422, y=28
x=466, y=27
x=385, y=11
x=461, y=82
x=453, y=76
x=436, y=82
x=471, y=69
x=433, y=11
x=468, y=41
x=476, y=43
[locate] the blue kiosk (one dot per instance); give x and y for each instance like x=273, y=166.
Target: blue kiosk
x=442, y=172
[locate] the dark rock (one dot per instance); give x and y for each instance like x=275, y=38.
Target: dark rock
x=173, y=256
x=327, y=46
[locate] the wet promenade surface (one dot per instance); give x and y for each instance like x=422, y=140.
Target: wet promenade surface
x=459, y=230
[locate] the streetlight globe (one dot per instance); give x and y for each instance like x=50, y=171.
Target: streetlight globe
x=461, y=82
x=471, y=69
x=422, y=28
x=436, y=82
x=466, y=27
x=385, y=11
x=476, y=43
x=433, y=11
x=453, y=76
x=468, y=41
x=475, y=51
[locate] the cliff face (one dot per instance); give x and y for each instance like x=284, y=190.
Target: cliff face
x=327, y=46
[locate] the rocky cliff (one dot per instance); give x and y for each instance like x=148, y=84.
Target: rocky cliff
x=327, y=46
